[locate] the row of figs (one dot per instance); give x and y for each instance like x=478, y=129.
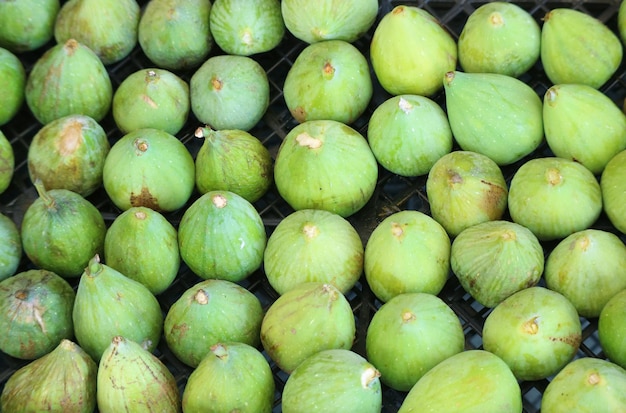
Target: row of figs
x=88, y=309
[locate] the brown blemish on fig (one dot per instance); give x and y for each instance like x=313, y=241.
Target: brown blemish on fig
x=573, y=340
x=304, y=139
x=531, y=326
x=219, y=200
x=594, y=378
x=328, y=70
x=369, y=375
x=508, y=235
x=496, y=19
x=553, y=176
x=582, y=243
x=408, y=316
x=398, y=10
x=494, y=197
x=405, y=106
x=140, y=215
x=454, y=177
x=299, y=114
x=141, y=146
x=144, y=198
x=181, y=329
x=217, y=84
x=201, y=297
x=70, y=46
x=551, y=96
x=397, y=230
x=149, y=101
x=71, y=137
x=310, y=231
x=449, y=77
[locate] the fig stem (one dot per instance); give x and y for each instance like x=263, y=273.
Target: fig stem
x=49, y=201
x=94, y=267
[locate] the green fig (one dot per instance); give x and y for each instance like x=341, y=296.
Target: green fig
x=36, y=313
x=612, y=329
x=151, y=168
x=621, y=21
x=499, y=37
x=109, y=28
x=584, y=125
x=131, y=378
x=472, y=381
x=230, y=233
x=12, y=83
x=309, y=318
x=578, y=48
x=10, y=247
x=69, y=153
x=143, y=245
x=329, y=19
x=69, y=78
x=244, y=27
x=233, y=377
x=62, y=380
x=61, y=231
x=229, y=92
x=328, y=80
x=7, y=163
x=109, y=304
x=613, y=188
x=333, y=380
x=151, y=98
x=175, y=34
x=233, y=160
x=26, y=25
x=496, y=115
x=411, y=52
x=210, y=312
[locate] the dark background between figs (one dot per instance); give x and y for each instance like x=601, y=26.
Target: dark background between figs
x=393, y=193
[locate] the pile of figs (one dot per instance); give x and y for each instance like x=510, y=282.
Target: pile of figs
x=312, y=206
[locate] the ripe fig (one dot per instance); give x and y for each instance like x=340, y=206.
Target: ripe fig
x=243, y=27
x=211, y=312
x=495, y=115
x=578, y=48
x=131, y=378
x=328, y=80
x=27, y=25
x=61, y=231
x=613, y=188
x=151, y=168
x=621, y=22
x=62, y=380
x=175, y=34
x=109, y=28
x=10, y=247
x=333, y=380
x=12, y=83
x=151, y=98
x=7, y=162
x=329, y=19
x=109, y=304
x=36, y=313
x=411, y=52
x=612, y=329
x=143, y=245
x=229, y=92
x=69, y=153
x=233, y=160
x=69, y=78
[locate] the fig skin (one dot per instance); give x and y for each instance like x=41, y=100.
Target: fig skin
x=612, y=329
x=7, y=162
x=109, y=28
x=62, y=380
x=175, y=34
x=69, y=78
x=69, y=153
x=36, y=313
x=10, y=247
x=613, y=188
x=621, y=22
x=27, y=25
x=12, y=84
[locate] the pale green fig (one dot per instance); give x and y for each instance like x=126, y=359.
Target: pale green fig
x=109, y=304
x=583, y=124
x=408, y=134
x=578, y=48
x=233, y=377
x=465, y=188
x=329, y=19
x=12, y=83
x=26, y=25
x=69, y=153
x=425, y=332
x=612, y=329
x=328, y=80
x=408, y=252
x=493, y=114
x=588, y=267
x=230, y=233
x=586, y=385
x=411, y=52
x=313, y=245
x=109, y=28
x=244, y=27
x=499, y=37
x=621, y=21
x=69, y=78
x=10, y=247
x=233, y=160
x=472, y=381
x=7, y=163
x=613, y=187
x=554, y=197
x=143, y=245
x=131, y=378
x=495, y=259
x=151, y=98
x=175, y=34
x=229, y=92
x=325, y=164
x=536, y=331
x=333, y=380
x=307, y=319
x=63, y=380
x=211, y=312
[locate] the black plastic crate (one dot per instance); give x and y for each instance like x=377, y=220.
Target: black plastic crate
x=393, y=193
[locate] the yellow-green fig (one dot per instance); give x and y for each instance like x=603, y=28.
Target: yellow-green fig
x=27, y=25
x=12, y=83
x=613, y=186
x=10, y=247
x=612, y=329
x=7, y=162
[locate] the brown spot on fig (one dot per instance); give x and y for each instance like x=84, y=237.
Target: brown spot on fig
x=144, y=198
x=149, y=101
x=573, y=340
x=71, y=137
x=217, y=84
x=299, y=114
